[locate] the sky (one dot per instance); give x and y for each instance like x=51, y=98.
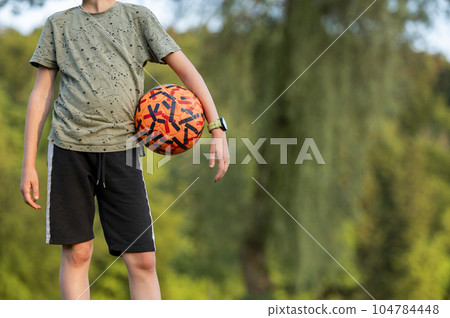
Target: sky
x=435, y=39
x=32, y=18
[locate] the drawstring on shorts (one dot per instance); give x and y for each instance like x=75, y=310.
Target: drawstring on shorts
x=101, y=167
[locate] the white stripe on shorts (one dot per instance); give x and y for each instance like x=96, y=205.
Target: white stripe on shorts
x=146, y=196
x=49, y=187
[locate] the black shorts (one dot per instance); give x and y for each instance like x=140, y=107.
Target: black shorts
x=76, y=178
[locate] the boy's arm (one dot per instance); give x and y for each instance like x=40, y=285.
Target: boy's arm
x=194, y=82
x=39, y=106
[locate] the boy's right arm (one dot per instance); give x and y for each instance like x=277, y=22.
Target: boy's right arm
x=39, y=107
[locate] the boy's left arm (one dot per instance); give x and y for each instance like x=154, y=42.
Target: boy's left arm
x=193, y=81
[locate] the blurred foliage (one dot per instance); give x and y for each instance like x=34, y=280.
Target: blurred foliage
x=378, y=111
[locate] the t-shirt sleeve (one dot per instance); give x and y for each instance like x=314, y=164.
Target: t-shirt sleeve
x=159, y=42
x=45, y=53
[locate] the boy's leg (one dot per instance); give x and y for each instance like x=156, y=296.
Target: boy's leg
x=126, y=220
x=73, y=273
x=70, y=215
x=142, y=275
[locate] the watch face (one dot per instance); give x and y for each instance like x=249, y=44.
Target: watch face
x=223, y=124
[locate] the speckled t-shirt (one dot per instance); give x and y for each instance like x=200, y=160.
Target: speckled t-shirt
x=101, y=58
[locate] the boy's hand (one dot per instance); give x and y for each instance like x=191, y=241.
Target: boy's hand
x=219, y=150
x=30, y=187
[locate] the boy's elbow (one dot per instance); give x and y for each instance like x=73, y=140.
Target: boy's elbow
x=190, y=75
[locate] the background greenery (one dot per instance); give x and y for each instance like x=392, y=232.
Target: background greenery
x=378, y=111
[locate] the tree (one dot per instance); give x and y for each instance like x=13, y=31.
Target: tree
x=341, y=102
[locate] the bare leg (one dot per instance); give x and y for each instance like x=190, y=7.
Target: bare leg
x=73, y=273
x=142, y=275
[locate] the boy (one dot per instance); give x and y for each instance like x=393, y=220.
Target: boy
x=100, y=48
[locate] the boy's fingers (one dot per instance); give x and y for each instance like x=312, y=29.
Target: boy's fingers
x=26, y=194
x=226, y=164
x=28, y=200
x=35, y=187
x=24, y=191
x=221, y=164
x=223, y=167
x=212, y=155
x=218, y=149
x=220, y=171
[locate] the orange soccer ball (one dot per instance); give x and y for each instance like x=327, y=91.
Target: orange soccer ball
x=169, y=119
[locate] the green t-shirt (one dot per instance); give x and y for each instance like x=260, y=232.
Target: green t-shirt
x=101, y=58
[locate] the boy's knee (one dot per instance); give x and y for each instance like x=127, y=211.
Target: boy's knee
x=142, y=261
x=78, y=254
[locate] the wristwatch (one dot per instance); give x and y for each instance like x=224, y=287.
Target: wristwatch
x=219, y=123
